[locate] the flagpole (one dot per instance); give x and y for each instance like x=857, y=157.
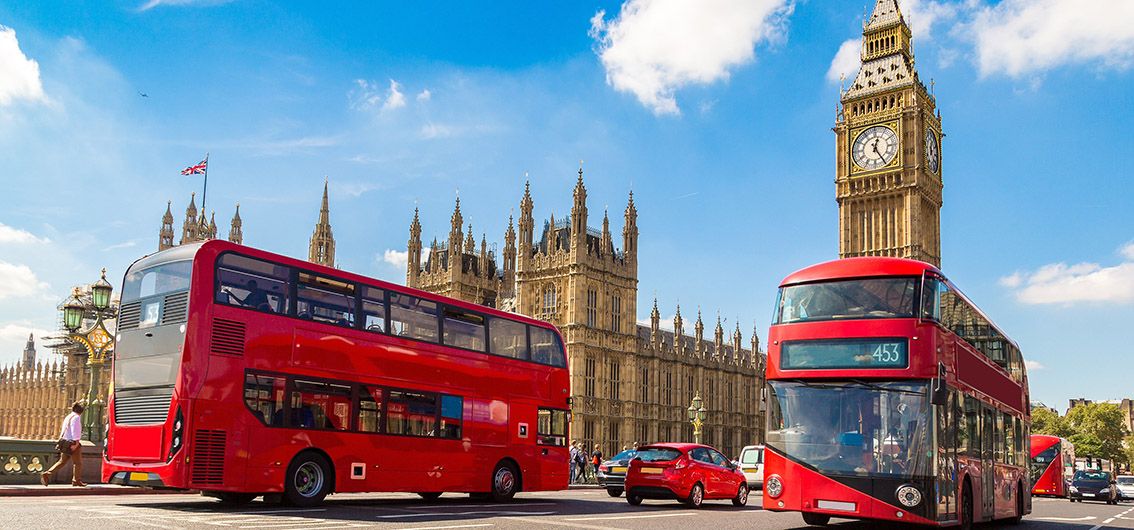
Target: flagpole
x=206, y=190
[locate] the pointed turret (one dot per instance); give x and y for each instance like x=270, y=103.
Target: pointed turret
x=413, y=247
x=165, y=235
x=718, y=336
x=212, y=225
x=736, y=342
x=29, y=352
x=678, y=331
x=655, y=324
x=322, y=247
x=456, y=222
x=236, y=228
x=630, y=230
x=579, y=215
x=470, y=243
x=526, y=226
x=699, y=335
x=755, y=359
x=606, y=245
x=189, y=227
x=508, y=287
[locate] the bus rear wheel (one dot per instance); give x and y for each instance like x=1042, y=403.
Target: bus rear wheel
x=816, y=519
x=308, y=480
x=967, y=507
x=505, y=482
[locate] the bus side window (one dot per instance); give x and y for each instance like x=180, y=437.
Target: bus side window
x=463, y=329
x=252, y=283
x=452, y=413
x=373, y=309
x=509, y=338
x=411, y=413
x=413, y=317
x=369, y=408
x=546, y=348
x=551, y=427
x=324, y=300
x=319, y=405
x=264, y=397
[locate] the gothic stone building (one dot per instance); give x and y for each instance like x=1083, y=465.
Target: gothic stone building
x=888, y=144
x=196, y=228
x=629, y=382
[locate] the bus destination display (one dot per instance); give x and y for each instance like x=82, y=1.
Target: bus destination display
x=844, y=353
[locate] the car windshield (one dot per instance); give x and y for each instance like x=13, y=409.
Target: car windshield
x=658, y=454
x=854, y=427
x=847, y=299
x=1126, y=481
x=625, y=455
x=751, y=456
x=1091, y=475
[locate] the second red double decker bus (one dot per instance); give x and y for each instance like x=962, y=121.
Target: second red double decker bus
x=1053, y=465
x=892, y=397
x=239, y=372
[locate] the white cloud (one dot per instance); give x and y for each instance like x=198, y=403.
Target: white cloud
x=14, y=337
x=19, y=76
x=9, y=234
x=366, y=96
x=400, y=258
x=846, y=62
x=394, y=98
x=653, y=48
x=18, y=281
x=424, y=95
x=154, y=3
x=1059, y=283
x=430, y=131
x=922, y=15
x=1033, y=365
x=1023, y=37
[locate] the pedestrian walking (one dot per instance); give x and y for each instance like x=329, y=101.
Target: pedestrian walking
x=580, y=463
x=596, y=459
x=573, y=465
x=69, y=448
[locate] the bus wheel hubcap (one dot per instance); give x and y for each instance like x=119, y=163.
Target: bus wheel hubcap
x=309, y=479
x=504, y=480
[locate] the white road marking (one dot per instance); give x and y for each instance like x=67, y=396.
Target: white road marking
x=617, y=517
x=440, y=506
x=446, y=527
x=1066, y=519
x=479, y=512
x=317, y=524
x=551, y=522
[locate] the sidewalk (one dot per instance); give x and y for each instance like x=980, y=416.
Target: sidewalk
x=37, y=490
x=585, y=486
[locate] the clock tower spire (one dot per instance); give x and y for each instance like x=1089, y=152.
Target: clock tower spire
x=888, y=147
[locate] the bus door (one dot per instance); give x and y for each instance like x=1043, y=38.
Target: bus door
x=987, y=463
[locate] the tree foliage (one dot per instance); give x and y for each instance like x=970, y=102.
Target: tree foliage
x=1046, y=421
x=1098, y=430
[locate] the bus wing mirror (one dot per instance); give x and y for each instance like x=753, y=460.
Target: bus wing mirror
x=940, y=390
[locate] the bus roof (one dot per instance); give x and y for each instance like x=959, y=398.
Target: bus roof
x=219, y=245
x=859, y=268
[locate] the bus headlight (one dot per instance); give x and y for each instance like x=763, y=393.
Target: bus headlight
x=178, y=432
x=909, y=496
x=774, y=487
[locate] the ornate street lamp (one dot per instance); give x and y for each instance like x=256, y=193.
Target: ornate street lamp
x=100, y=292
x=73, y=312
x=697, y=416
x=96, y=340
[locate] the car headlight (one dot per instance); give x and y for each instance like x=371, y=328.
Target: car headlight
x=1074, y=489
x=774, y=487
x=909, y=496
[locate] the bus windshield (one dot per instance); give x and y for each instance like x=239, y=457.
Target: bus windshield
x=1042, y=460
x=846, y=299
x=852, y=428
x=157, y=280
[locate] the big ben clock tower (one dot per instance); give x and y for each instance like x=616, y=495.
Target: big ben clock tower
x=888, y=144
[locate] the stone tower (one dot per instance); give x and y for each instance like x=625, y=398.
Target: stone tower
x=456, y=268
x=29, y=353
x=322, y=247
x=236, y=229
x=888, y=147
x=165, y=235
x=190, y=230
x=413, y=250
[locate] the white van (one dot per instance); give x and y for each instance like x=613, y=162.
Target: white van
x=752, y=464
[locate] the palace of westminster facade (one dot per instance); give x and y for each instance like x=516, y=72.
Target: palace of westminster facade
x=634, y=382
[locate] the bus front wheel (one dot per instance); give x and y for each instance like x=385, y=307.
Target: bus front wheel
x=505, y=482
x=816, y=519
x=308, y=480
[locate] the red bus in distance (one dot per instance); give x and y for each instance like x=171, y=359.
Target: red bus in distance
x=892, y=397
x=1053, y=465
x=239, y=373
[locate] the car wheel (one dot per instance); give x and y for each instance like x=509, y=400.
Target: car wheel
x=816, y=519
x=308, y=480
x=429, y=495
x=614, y=492
x=634, y=500
x=741, y=496
x=696, y=495
x=505, y=482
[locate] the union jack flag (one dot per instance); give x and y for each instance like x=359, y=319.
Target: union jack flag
x=197, y=169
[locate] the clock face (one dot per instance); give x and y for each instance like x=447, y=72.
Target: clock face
x=875, y=147
x=932, y=153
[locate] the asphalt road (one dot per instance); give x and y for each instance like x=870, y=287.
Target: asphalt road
x=587, y=509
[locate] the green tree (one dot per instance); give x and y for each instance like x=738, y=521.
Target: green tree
x=1099, y=430
x=1045, y=421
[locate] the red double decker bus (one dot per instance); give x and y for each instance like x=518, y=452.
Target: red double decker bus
x=1053, y=465
x=892, y=397
x=239, y=372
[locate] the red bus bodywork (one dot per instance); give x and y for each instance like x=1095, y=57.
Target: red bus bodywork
x=224, y=447
x=998, y=489
x=1051, y=457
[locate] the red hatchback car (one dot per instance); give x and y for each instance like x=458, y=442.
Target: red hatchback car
x=689, y=473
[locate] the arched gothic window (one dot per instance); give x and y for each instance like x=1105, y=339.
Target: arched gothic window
x=549, y=300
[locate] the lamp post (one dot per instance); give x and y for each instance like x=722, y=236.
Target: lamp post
x=697, y=416
x=96, y=340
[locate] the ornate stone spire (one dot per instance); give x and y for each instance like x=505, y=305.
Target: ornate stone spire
x=322, y=247
x=456, y=222
x=413, y=263
x=678, y=331
x=699, y=335
x=165, y=235
x=189, y=227
x=236, y=228
x=655, y=323
x=212, y=225
x=718, y=335
x=579, y=214
x=630, y=229
x=29, y=353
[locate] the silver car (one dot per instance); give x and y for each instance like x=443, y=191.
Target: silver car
x=1126, y=487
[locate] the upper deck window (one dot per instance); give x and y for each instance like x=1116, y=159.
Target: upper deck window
x=324, y=300
x=157, y=280
x=252, y=283
x=463, y=329
x=413, y=317
x=848, y=299
x=546, y=348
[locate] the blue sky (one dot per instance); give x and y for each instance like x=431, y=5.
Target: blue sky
x=717, y=114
